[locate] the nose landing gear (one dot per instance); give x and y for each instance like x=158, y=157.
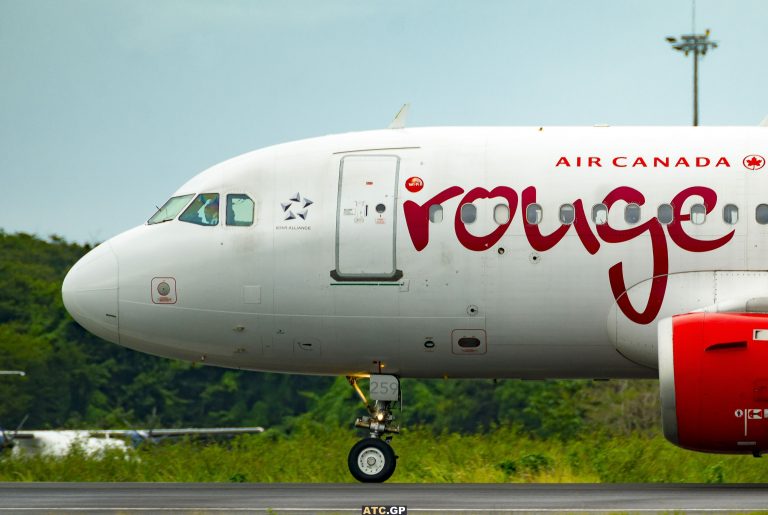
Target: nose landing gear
x=372, y=459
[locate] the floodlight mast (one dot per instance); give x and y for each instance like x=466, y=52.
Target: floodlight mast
x=697, y=44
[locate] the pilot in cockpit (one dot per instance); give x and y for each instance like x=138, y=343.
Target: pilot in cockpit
x=210, y=211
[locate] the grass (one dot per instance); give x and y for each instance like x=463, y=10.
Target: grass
x=315, y=453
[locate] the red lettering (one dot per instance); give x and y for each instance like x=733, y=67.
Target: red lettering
x=641, y=162
x=417, y=220
x=417, y=216
x=473, y=242
x=588, y=239
x=543, y=243
x=676, y=231
x=660, y=258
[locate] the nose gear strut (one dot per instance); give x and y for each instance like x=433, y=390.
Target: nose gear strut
x=380, y=419
x=372, y=460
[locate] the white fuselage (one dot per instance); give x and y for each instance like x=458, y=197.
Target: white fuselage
x=334, y=286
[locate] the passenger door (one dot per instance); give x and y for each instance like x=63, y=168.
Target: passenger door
x=366, y=219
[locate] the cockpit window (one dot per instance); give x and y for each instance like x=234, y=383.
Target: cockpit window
x=239, y=209
x=170, y=209
x=204, y=210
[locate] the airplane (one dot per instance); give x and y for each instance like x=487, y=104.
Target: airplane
x=464, y=252
x=58, y=442
x=92, y=441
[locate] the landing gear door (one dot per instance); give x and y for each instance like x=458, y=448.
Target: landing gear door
x=366, y=219
x=384, y=387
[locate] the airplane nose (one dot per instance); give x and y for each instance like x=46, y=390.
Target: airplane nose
x=90, y=292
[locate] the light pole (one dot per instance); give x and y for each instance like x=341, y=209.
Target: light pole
x=698, y=44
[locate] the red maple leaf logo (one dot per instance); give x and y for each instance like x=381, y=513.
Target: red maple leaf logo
x=754, y=162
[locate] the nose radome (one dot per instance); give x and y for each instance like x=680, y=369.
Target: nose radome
x=90, y=292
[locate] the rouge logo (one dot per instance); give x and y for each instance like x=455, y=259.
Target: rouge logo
x=414, y=184
x=754, y=162
x=417, y=219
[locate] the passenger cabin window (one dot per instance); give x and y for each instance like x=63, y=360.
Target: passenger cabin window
x=665, y=214
x=761, y=214
x=533, y=214
x=501, y=214
x=731, y=214
x=204, y=210
x=170, y=209
x=468, y=213
x=567, y=214
x=239, y=209
x=600, y=214
x=436, y=213
x=698, y=214
x=632, y=214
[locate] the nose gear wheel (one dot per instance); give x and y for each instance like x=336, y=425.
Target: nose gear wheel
x=372, y=460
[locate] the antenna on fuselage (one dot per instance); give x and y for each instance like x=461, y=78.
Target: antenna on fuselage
x=400, y=117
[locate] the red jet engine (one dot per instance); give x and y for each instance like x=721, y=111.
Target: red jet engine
x=713, y=371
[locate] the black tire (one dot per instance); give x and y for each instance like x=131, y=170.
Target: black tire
x=372, y=461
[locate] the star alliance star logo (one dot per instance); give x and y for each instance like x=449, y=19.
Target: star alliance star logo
x=298, y=204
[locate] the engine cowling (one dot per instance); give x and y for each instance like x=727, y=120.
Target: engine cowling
x=713, y=371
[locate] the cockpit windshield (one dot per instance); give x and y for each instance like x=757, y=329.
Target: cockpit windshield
x=204, y=210
x=170, y=209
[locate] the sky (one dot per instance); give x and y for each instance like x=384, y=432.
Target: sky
x=107, y=107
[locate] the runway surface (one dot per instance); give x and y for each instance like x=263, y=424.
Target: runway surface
x=349, y=498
